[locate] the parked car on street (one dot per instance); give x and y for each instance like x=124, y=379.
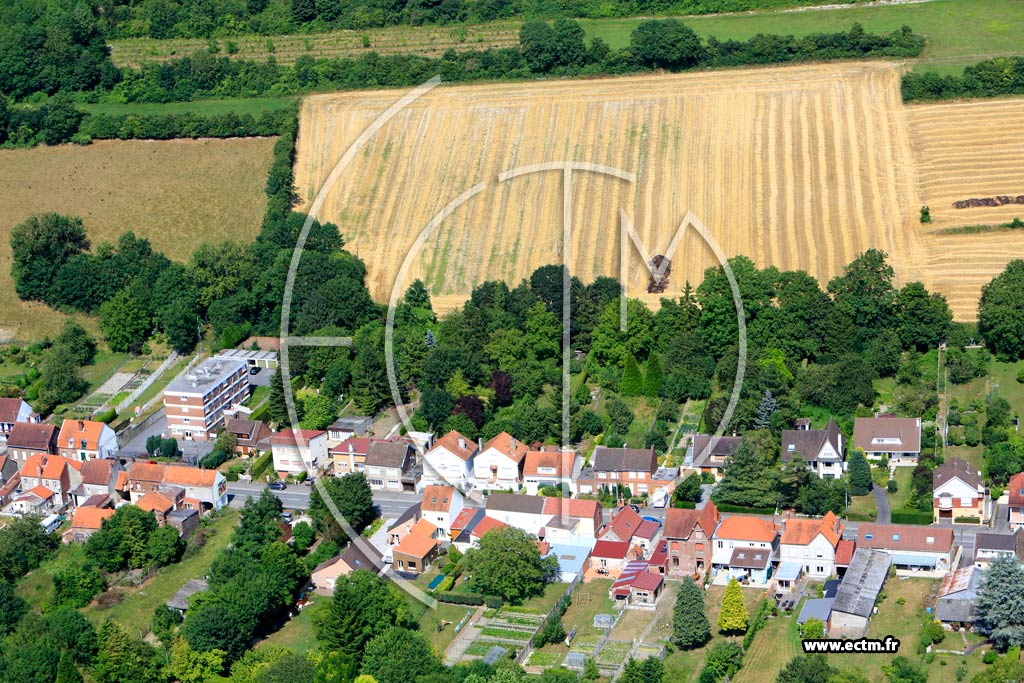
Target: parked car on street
x=277, y=486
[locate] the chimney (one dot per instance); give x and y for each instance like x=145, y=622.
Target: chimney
x=81, y=426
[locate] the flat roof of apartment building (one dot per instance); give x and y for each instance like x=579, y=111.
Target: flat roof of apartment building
x=205, y=377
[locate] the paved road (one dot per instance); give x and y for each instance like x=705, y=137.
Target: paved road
x=882, y=503
x=296, y=497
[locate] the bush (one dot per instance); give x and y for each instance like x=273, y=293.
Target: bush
x=967, y=520
x=725, y=507
x=106, y=417
x=923, y=518
x=892, y=486
x=463, y=599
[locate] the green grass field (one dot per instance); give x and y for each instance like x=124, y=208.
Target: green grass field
x=136, y=611
x=959, y=32
x=298, y=634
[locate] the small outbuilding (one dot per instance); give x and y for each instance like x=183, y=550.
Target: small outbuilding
x=180, y=600
x=855, y=599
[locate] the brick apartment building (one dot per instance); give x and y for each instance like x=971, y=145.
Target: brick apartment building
x=197, y=400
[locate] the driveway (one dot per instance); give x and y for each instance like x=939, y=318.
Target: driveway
x=191, y=451
x=882, y=503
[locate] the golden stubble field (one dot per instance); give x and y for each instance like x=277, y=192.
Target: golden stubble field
x=175, y=193
x=800, y=167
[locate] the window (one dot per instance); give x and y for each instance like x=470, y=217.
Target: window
x=930, y=539
x=821, y=570
x=868, y=537
x=896, y=537
x=720, y=545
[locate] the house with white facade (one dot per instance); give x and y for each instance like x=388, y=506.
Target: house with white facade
x=440, y=506
x=523, y=512
x=958, y=491
x=745, y=547
x=820, y=449
x=989, y=546
x=914, y=550
x=86, y=439
x=552, y=467
x=898, y=439
x=499, y=464
x=298, y=450
x=812, y=544
x=12, y=411
x=450, y=461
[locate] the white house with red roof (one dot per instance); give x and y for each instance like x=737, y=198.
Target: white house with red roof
x=611, y=557
x=440, y=506
x=450, y=461
x=636, y=586
x=298, y=450
x=622, y=526
x=86, y=439
x=57, y=474
x=552, y=467
x=499, y=464
x=812, y=544
x=746, y=547
x=1016, y=492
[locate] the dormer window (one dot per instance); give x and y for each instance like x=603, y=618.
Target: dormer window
x=895, y=537
x=71, y=442
x=930, y=539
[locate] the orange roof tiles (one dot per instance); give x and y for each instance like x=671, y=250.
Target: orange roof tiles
x=624, y=524
x=745, y=528
x=41, y=491
x=90, y=518
x=189, y=476
x=572, y=507
x=560, y=461
x=419, y=541
x=486, y=524
x=457, y=444
x=78, y=430
x=506, y=444
x=803, y=531
x=437, y=498
x=154, y=501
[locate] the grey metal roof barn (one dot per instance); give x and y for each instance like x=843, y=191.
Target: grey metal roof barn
x=958, y=594
x=862, y=582
x=818, y=608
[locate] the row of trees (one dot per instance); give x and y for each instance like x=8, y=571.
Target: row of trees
x=995, y=77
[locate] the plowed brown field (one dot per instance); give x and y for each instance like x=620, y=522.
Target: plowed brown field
x=799, y=167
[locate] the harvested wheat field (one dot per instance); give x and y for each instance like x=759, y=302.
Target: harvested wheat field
x=175, y=193
x=799, y=167
x=970, y=151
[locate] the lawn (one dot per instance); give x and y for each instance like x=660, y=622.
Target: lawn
x=37, y=587
x=773, y=646
x=176, y=193
x=904, y=476
x=103, y=366
x=136, y=611
x=1004, y=381
x=297, y=634
x=885, y=387
x=958, y=32
x=863, y=508
x=543, y=604
x=432, y=619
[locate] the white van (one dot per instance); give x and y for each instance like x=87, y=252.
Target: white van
x=50, y=524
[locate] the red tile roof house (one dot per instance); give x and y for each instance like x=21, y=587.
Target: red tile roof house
x=37, y=500
x=419, y=547
x=958, y=491
x=745, y=548
x=555, y=467
x=623, y=525
x=204, y=489
x=1016, y=492
x=86, y=439
x=350, y=455
x=688, y=536
x=85, y=522
x=812, y=543
x=12, y=411
x=27, y=439
x=637, y=587
x=450, y=461
x=896, y=438
x=162, y=502
x=914, y=550
x=440, y=506
x=499, y=464
x=578, y=518
x=298, y=450
x=58, y=475
x=609, y=558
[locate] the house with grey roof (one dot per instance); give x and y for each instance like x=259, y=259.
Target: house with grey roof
x=989, y=546
x=898, y=439
x=391, y=466
x=708, y=454
x=855, y=599
x=820, y=449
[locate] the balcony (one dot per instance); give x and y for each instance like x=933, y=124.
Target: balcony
x=945, y=503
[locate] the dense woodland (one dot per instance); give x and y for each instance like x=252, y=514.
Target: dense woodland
x=989, y=78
